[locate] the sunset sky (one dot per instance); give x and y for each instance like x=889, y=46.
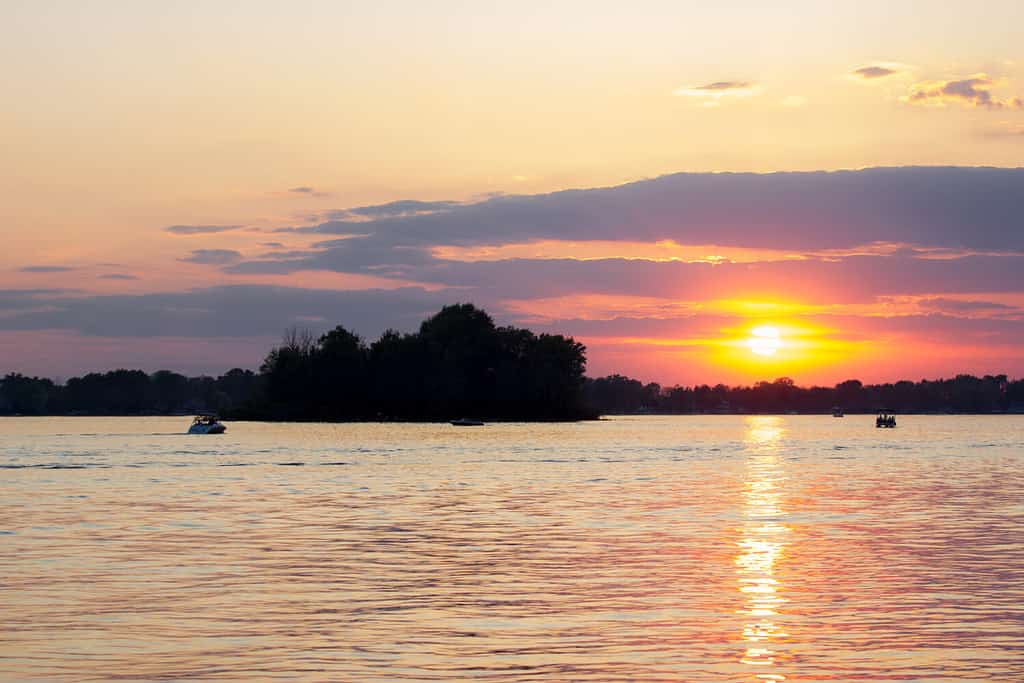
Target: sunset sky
x=182, y=181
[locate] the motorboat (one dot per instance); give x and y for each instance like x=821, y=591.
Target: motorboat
x=464, y=422
x=206, y=424
x=885, y=419
x=837, y=412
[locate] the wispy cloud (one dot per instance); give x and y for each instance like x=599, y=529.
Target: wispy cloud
x=228, y=311
x=200, y=229
x=402, y=208
x=46, y=269
x=713, y=93
x=974, y=91
x=212, y=256
x=875, y=72
x=308, y=191
x=964, y=306
x=793, y=101
x=118, y=276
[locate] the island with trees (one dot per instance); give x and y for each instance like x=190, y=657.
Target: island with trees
x=460, y=364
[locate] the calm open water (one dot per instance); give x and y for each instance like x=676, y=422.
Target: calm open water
x=758, y=549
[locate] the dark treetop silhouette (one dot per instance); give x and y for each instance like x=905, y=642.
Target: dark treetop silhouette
x=962, y=394
x=460, y=364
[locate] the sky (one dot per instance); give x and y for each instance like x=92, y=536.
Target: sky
x=671, y=183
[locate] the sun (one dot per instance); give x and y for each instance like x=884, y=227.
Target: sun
x=764, y=340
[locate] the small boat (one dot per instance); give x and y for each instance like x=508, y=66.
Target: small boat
x=885, y=419
x=206, y=424
x=463, y=422
x=837, y=412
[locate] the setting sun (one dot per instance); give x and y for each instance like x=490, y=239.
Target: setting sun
x=764, y=340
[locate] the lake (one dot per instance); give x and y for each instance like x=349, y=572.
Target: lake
x=703, y=548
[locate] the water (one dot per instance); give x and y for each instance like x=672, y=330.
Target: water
x=757, y=549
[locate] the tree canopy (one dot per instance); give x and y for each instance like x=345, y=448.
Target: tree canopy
x=458, y=363
x=963, y=393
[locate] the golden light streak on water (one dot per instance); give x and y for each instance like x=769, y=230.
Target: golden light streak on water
x=763, y=542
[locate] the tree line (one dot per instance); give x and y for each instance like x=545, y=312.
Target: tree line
x=460, y=364
x=617, y=394
x=127, y=392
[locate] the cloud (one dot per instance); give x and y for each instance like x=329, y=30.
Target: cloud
x=118, y=276
x=397, y=209
x=687, y=326
x=309, y=191
x=212, y=256
x=974, y=91
x=967, y=208
x=290, y=254
x=231, y=311
x=960, y=229
x=22, y=299
x=964, y=306
x=793, y=101
x=357, y=255
x=272, y=245
x=46, y=269
x=200, y=229
x=404, y=207
x=720, y=86
x=864, y=277
x=873, y=72
x=713, y=93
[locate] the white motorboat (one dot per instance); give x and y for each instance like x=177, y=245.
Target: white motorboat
x=206, y=424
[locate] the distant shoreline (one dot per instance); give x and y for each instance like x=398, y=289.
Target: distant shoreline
x=505, y=420
x=459, y=364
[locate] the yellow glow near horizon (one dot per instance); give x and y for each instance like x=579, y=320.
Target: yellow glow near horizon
x=764, y=340
x=774, y=347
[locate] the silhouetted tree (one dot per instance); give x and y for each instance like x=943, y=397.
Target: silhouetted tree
x=288, y=371
x=340, y=364
x=239, y=388
x=170, y=391
x=458, y=363
x=25, y=395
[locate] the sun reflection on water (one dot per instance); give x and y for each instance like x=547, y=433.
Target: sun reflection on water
x=762, y=544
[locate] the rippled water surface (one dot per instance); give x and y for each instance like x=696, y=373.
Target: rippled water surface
x=759, y=549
